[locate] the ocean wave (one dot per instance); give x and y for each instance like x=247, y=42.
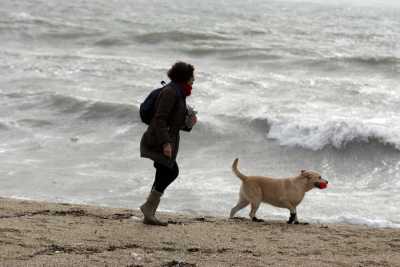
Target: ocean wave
x=64, y=104
x=335, y=134
x=233, y=54
x=110, y=42
x=378, y=60
x=68, y=35
x=34, y=123
x=253, y=57
x=33, y=26
x=179, y=36
x=74, y=107
x=287, y=132
x=123, y=113
x=339, y=135
x=42, y=21
x=369, y=61
x=92, y=110
x=208, y=51
x=23, y=17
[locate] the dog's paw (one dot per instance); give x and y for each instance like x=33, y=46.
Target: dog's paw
x=304, y=223
x=237, y=218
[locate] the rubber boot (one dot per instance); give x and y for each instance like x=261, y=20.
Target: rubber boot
x=149, y=209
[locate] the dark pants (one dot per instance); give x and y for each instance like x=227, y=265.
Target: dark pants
x=164, y=176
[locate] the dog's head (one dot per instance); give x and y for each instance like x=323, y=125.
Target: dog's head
x=314, y=179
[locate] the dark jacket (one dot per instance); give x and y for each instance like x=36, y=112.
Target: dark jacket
x=164, y=128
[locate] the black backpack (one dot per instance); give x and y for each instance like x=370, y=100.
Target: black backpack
x=147, y=108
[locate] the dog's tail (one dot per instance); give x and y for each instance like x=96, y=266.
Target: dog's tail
x=237, y=172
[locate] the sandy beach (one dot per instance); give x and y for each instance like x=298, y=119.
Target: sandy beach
x=49, y=234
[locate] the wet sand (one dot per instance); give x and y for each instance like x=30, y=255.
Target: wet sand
x=49, y=234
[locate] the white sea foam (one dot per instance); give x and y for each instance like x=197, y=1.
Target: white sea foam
x=358, y=220
x=338, y=134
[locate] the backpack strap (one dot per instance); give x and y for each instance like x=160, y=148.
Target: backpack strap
x=178, y=90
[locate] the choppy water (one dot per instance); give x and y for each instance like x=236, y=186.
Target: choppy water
x=283, y=85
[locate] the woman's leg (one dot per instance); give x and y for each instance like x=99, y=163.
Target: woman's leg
x=164, y=176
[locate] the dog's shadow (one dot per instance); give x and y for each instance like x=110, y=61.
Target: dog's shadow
x=247, y=220
x=263, y=222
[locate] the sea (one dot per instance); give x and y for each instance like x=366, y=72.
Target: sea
x=283, y=85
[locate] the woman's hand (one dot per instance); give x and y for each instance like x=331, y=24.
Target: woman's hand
x=167, y=150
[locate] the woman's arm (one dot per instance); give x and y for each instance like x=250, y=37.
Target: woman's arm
x=166, y=103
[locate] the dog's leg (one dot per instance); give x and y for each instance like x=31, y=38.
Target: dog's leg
x=293, y=217
x=254, y=208
x=240, y=205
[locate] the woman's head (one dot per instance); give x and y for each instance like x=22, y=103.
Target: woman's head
x=181, y=72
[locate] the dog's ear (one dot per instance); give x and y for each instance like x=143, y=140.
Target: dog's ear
x=304, y=173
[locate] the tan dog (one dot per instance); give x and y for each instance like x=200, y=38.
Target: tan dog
x=283, y=193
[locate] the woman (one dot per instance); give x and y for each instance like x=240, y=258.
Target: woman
x=160, y=142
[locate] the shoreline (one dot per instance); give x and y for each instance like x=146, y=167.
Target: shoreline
x=60, y=234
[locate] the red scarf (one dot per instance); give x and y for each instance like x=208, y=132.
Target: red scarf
x=187, y=89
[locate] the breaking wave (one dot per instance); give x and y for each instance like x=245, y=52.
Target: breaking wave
x=288, y=132
x=337, y=134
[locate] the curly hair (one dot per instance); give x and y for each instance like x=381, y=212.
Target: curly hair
x=181, y=72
